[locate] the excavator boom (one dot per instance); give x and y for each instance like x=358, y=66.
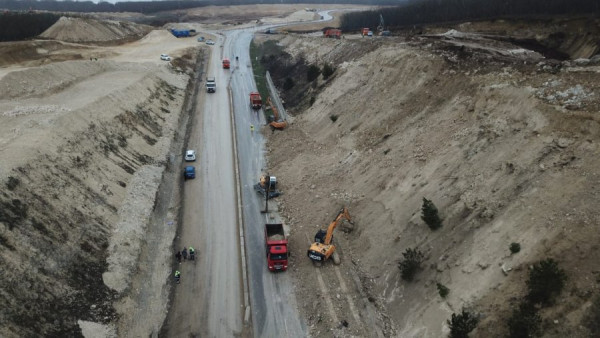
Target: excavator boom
x=343, y=214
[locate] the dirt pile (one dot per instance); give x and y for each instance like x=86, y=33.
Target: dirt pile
x=505, y=146
x=90, y=30
x=84, y=144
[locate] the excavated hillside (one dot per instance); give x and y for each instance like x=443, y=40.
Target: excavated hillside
x=503, y=141
x=86, y=149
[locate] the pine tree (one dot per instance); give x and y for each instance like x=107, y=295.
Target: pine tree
x=429, y=214
x=461, y=324
x=411, y=263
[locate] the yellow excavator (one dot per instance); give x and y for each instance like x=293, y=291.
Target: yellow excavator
x=323, y=247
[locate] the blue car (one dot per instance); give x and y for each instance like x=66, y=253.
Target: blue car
x=189, y=172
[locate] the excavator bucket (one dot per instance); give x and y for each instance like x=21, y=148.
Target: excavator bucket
x=279, y=125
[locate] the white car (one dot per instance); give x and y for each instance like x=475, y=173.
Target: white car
x=190, y=155
x=210, y=42
x=165, y=57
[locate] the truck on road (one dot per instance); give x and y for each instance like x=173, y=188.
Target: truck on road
x=255, y=100
x=211, y=85
x=276, y=246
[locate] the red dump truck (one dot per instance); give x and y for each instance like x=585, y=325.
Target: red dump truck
x=333, y=33
x=255, y=100
x=226, y=63
x=276, y=245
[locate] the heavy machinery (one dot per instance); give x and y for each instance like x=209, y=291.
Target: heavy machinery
x=276, y=122
x=255, y=100
x=323, y=247
x=333, y=33
x=269, y=183
x=211, y=85
x=276, y=247
x=381, y=31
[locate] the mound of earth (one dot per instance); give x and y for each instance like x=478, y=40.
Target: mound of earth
x=90, y=30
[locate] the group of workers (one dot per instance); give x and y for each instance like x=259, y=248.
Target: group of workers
x=183, y=254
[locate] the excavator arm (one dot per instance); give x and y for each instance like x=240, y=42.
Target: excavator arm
x=343, y=214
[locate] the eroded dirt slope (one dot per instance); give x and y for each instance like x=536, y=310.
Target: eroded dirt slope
x=67, y=175
x=504, y=143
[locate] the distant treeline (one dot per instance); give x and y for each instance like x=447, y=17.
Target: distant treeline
x=159, y=6
x=436, y=11
x=21, y=26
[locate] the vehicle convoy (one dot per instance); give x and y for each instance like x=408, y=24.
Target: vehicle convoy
x=226, y=63
x=211, y=85
x=323, y=247
x=261, y=187
x=276, y=245
x=255, y=100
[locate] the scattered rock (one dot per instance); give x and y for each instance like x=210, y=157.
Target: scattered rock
x=506, y=269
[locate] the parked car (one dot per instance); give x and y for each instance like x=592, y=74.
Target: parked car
x=165, y=57
x=210, y=42
x=189, y=172
x=201, y=39
x=190, y=155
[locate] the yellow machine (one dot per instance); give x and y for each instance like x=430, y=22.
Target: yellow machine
x=323, y=247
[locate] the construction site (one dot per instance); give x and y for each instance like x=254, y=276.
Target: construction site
x=492, y=126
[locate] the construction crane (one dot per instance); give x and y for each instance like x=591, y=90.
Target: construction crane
x=381, y=31
x=380, y=28
x=323, y=247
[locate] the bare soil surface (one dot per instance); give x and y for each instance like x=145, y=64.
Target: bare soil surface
x=501, y=139
x=85, y=144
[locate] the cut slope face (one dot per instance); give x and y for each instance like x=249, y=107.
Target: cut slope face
x=505, y=147
x=83, y=147
x=89, y=30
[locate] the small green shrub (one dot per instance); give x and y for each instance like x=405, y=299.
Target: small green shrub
x=312, y=73
x=429, y=214
x=327, y=71
x=442, y=290
x=333, y=117
x=514, y=248
x=546, y=281
x=411, y=263
x=12, y=183
x=461, y=324
x=524, y=322
x=288, y=84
